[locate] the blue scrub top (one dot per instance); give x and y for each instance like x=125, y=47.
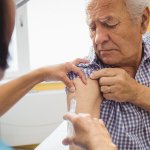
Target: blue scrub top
x=3, y=146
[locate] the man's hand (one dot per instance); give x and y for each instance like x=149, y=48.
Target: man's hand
x=59, y=72
x=116, y=84
x=90, y=133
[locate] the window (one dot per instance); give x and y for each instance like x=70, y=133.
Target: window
x=49, y=32
x=19, y=47
x=57, y=31
x=12, y=61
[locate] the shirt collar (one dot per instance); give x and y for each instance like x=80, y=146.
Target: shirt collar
x=146, y=47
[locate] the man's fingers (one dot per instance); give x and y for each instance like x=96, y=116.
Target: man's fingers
x=107, y=81
x=107, y=72
x=106, y=89
x=109, y=96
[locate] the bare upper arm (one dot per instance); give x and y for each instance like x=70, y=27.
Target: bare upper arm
x=88, y=97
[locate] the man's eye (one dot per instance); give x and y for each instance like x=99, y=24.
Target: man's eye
x=92, y=28
x=110, y=26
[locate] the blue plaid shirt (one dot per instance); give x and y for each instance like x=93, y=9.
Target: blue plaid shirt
x=128, y=124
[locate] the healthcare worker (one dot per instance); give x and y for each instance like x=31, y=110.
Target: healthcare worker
x=12, y=91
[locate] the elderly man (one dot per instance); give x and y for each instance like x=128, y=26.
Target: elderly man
x=120, y=59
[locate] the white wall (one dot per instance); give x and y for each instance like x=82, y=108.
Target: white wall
x=33, y=118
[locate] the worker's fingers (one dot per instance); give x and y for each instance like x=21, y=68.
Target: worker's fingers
x=106, y=72
x=84, y=115
x=69, y=116
x=79, y=60
x=68, y=141
x=69, y=83
x=76, y=70
x=81, y=75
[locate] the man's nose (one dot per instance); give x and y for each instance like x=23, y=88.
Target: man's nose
x=101, y=36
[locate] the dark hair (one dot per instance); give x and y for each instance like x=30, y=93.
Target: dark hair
x=3, y=42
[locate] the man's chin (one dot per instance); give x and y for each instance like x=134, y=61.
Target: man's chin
x=109, y=62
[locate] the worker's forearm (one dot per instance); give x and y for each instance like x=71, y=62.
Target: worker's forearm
x=143, y=97
x=13, y=90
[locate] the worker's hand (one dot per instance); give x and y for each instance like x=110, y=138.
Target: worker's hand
x=116, y=84
x=90, y=133
x=59, y=72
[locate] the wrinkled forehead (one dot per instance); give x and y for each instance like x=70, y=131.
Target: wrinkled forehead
x=102, y=8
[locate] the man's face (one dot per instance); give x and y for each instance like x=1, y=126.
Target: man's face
x=116, y=38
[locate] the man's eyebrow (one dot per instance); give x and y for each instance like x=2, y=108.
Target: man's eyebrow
x=100, y=19
x=103, y=19
x=107, y=18
x=89, y=22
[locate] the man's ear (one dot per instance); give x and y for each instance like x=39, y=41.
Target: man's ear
x=145, y=20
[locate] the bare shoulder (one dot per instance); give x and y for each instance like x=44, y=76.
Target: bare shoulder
x=88, y=96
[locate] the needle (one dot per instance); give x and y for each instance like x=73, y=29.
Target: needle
x=70, y=129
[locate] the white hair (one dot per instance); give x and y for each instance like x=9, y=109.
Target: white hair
x=136, y=8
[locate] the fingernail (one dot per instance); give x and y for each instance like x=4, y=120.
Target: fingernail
x=72, y=89
x=85, y=82
x=84, y=79
x=92, y=75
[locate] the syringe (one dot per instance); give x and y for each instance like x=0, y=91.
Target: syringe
x=70, y=129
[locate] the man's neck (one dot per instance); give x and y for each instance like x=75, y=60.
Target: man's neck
x=130, y=70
